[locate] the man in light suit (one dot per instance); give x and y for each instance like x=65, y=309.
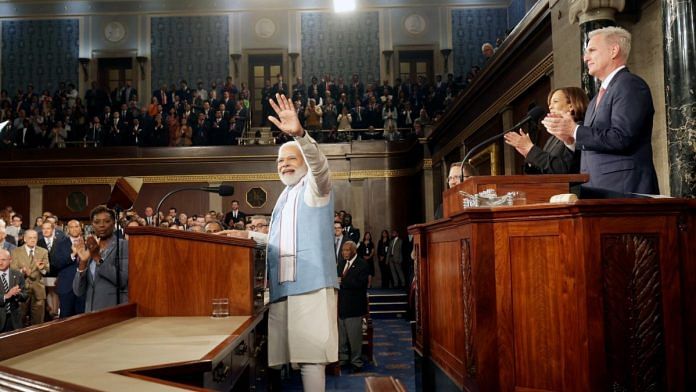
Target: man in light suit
x=33, y=262
x=96, y=272
x=615, y=138
x=14, y=291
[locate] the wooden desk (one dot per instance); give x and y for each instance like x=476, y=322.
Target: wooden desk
x=115, y=357
x=164, y=339
x=592, y=296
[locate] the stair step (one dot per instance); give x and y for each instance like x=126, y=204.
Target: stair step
x=388, y=303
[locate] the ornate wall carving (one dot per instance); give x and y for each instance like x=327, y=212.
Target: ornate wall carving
x=634, y=335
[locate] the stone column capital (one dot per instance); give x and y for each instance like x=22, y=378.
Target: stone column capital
x=584, y=11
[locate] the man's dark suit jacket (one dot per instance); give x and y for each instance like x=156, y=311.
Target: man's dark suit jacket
x=352, y=295
x=615, y=139
x=554, y=158
x=352, y=233
x=62, y=264
x=16, y=278
x=241, y=217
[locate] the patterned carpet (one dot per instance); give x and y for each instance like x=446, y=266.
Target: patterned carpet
x=393, y=356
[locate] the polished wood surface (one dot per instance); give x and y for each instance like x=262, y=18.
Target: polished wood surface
x=587, y=296
x=39, y=336
x=179, y=273
x=538, y=188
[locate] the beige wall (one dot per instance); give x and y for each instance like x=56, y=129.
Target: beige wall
x=566, y=47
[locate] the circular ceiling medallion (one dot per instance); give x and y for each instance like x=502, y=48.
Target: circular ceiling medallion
x=265, y=28
x=414, y=24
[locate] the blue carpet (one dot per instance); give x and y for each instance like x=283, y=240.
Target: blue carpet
x=393, y=356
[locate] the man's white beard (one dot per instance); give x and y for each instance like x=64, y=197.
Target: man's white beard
x=294, y=178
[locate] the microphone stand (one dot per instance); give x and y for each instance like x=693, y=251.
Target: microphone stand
x=157, y=210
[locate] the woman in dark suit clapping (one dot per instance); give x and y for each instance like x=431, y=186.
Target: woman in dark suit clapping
x=555, y=157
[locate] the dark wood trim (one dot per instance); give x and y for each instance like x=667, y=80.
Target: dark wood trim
x=16, y=380
x=251, y=322
x=33, y=338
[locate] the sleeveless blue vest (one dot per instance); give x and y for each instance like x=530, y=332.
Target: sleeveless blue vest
x=315, y=259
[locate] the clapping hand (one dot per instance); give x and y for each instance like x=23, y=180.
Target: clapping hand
x=521, y=141
x=287, y=120
x=561, y=126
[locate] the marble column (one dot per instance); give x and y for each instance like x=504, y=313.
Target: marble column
x=507, y=116
x=35, y=204
x=680, y=86
x=592, y=15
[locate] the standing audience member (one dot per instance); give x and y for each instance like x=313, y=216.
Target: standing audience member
x=395, y=260
x=32, y=261
x=352, y=305
x=96, y=272
x=66, y=267
x=14, y=292
x=234, y=215
x=366, y=250
x=349, y=230
x=382, y=257
x=4, y=243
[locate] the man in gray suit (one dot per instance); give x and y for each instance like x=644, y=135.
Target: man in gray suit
x=395, y=259
x=615, y=138
x=96, y=272
x=14, y=291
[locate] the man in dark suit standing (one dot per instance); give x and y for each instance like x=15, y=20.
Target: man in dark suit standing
x=615, y=138
x=14, y=291
x=64, y=264
x=235, y=215
x=352, y=305
x=339, y=240
x=349, y=230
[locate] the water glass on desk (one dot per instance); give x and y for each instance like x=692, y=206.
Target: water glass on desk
x=517, y=198
x=221, y=307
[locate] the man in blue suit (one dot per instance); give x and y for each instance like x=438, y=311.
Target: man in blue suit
x=615, y=137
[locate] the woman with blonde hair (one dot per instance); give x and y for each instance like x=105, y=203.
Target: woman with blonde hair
x=555, y=157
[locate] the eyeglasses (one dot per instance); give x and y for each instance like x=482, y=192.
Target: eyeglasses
x=259, y=226
x=457, y=177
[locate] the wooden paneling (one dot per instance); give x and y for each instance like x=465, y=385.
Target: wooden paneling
x=55, y=199
x=18, y=198
x=215, y=267
x=587, y=296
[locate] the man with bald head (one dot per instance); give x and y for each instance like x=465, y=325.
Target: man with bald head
x=302, y=325
x=32, y=261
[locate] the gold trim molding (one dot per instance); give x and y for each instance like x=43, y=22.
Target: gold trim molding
x=427, y=164
x=206, y=178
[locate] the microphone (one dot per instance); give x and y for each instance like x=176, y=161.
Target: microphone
x=534, y=114
x=222, y=190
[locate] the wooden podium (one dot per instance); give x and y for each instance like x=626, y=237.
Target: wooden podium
x=595, y=295
x=164, y=338
x=539, y=188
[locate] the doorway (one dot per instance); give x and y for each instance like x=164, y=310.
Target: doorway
x=415, y=63
x=113, y=73
x=262, y=67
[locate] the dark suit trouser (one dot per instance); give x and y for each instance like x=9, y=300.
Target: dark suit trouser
x=385, y=274
x=71, y=304
x=8, y=323
x=350, y=340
